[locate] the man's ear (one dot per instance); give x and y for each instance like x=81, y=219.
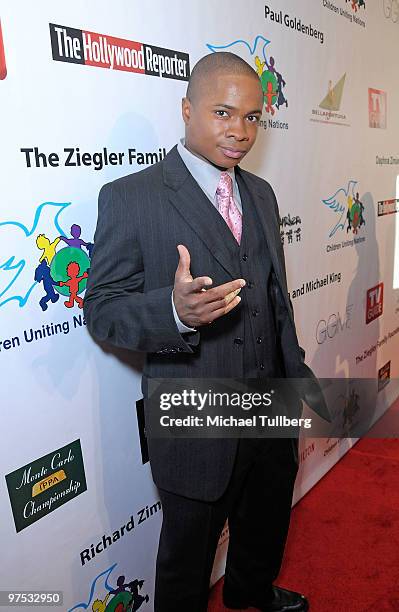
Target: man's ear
x=186, y=110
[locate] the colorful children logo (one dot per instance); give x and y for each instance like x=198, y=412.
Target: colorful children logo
x=272, y=80
x=354, y=214
x=124, y=597
x=63, y=266
x=64, y=271
x=272, y=84
x=346, y=204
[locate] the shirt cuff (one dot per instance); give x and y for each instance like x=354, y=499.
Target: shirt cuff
x=183, y=329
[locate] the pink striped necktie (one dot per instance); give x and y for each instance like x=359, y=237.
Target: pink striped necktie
x=227, y=206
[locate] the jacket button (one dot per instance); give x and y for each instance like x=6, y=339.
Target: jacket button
x=238, y=341
x=259, y=339
x=262, y=366
x=245, y=257
x=250, y=284
x=255, y=312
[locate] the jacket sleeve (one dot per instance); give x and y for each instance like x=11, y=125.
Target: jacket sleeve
x=116, y=308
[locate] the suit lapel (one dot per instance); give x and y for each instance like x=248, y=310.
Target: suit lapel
x=193, y=205
x=269, y=225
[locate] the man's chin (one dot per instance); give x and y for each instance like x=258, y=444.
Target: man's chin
x=218, y=158
x=230, y=158
x=224, y=162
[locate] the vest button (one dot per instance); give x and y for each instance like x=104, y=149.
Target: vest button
x=245, y=257
x=238, y=341
x=259, y=339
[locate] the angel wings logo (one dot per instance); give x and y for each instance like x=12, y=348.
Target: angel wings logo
x=267, y=67
x=41, y=262
x=348, y=210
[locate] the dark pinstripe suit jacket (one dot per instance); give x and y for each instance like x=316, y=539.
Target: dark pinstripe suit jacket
x=142, y=217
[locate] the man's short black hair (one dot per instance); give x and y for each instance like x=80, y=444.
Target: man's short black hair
x=207, y=67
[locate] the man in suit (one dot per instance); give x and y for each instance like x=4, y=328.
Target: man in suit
x=188, y=267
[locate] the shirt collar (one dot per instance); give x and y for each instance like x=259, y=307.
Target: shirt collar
x=206, y=175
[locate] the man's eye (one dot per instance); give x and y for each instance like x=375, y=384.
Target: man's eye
x=253, y=118
x=221, y=113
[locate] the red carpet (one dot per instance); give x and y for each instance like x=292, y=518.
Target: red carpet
x=343, y=546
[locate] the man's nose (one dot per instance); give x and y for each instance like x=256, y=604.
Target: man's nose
x=237, y=128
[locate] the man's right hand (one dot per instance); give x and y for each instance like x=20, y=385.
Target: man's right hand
x=196, y=305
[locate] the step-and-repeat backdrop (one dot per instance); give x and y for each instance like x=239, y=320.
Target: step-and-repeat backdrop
x=91, y=91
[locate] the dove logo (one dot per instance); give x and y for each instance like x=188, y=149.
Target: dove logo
x=3, y=67
x=374, y=302
x=41, y=262
x=348, y=211
x=107, y=593
x=269, y=70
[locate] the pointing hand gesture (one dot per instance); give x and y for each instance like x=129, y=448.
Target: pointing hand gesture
x=196, y=305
